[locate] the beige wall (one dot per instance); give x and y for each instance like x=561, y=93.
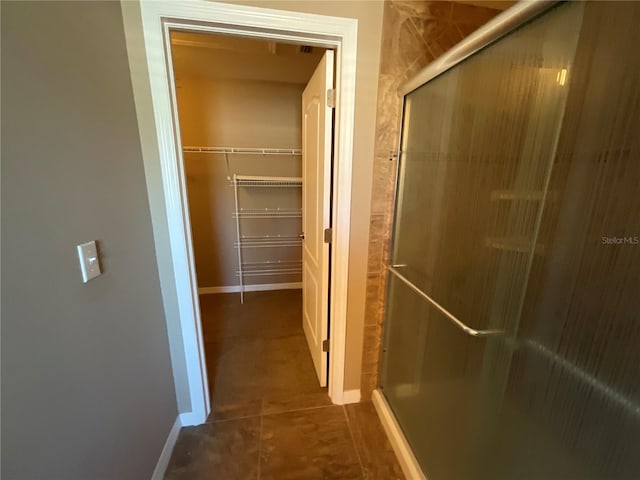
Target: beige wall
x=87, y=390
x=238, y=113
x=369, y=15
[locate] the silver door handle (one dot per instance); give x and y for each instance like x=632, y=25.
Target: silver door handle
x=301, y=235
x=465, y=328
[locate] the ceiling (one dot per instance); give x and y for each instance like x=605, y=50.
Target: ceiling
x=224, y=57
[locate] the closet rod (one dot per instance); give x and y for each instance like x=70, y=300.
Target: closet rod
x=243, y=150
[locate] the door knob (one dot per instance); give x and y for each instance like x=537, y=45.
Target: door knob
x=301, y=235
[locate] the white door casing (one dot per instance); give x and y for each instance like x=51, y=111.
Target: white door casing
x=317, y=125
x=147, y=25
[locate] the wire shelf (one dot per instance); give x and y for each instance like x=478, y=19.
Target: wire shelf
x=527, y=195
x=260, y=181
x=268, y=213
x=272, y=267
x=273, y=262
x=513, y=244
x=243, y=150
x=260, y=273
x=268, y=241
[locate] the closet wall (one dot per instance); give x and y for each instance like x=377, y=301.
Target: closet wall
x=230, y=98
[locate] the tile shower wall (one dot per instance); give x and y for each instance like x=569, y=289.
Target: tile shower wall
x=413, y=34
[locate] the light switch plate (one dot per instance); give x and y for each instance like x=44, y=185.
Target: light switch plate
x=89, y=264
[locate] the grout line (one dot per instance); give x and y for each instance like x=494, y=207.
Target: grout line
x=304, y=409
x=353, y=440
x=262, y=413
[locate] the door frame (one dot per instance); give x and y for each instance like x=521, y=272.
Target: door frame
x=147, y=26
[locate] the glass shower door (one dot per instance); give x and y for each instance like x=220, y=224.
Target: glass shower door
x=490, y=167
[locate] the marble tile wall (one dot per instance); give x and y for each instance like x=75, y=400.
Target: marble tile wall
x=413, y=34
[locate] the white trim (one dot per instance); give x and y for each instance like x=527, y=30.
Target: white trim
x=190, y=419
x=156, y=18
x=351, y=396
x=262, y=287
x=408, y=463
x=167, y=450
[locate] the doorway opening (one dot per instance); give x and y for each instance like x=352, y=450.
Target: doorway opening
x=147, y=27
x=256, y=131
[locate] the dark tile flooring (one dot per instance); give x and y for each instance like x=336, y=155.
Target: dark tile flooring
x=269, y=418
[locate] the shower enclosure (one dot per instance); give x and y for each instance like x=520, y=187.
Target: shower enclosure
x=512, y=330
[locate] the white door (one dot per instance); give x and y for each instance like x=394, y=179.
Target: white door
x=316, y=211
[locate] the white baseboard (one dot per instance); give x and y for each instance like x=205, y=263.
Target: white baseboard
x=262, y=287
x=190, y=419
x=167, y=450
x=408, y=463
x=348, y=396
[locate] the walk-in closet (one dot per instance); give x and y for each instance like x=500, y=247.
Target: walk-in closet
x=240, y=112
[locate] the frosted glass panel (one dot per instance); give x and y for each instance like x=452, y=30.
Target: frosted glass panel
x=477, y=149
x=518, y=209
x=433, y=378
x=575, y=371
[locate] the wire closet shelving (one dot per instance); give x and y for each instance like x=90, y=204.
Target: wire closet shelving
x=243, y=150
x=270, y=267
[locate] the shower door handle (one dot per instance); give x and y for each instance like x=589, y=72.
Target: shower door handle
x=461, y=325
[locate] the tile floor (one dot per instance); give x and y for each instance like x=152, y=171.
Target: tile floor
x=269, y=418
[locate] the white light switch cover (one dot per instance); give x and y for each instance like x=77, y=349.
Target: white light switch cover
x=89, y=264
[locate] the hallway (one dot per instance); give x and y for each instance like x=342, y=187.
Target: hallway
x=269, y=417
